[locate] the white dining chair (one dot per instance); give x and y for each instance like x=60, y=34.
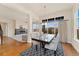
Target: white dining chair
x=53, y=45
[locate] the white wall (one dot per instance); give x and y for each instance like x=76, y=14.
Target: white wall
x=67, y=13
x=21, y=22
x=9, y=26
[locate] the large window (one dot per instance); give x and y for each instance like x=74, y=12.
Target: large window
x=50, y=26
x=77, y=23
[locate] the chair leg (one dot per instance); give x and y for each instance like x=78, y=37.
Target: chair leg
x=32, y=45
x=44, y=51
x=1, y=40
x=36, y=47
x=54, y=53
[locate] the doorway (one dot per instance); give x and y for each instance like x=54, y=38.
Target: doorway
x=4, y=27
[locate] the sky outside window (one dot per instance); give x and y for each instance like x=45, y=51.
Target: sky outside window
x=77, y=18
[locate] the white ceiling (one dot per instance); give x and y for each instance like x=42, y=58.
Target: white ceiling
x=39, y=9
x=13, y=10
x=9, y=13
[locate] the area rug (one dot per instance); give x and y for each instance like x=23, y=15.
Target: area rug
x=40, y=51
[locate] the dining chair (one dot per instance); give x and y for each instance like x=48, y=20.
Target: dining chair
x=53, y=45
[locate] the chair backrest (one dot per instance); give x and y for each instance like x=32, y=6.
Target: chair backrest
x=53, y=45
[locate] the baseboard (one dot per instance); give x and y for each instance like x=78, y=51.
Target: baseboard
x=75, y=45
x=75, y=48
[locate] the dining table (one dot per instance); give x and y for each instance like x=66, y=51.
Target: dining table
x=44, y=39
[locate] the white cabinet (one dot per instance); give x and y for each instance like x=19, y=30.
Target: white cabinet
x=21, y=37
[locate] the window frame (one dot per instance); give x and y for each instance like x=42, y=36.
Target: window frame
x=76, y=22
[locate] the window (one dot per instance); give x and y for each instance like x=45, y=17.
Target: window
x=35, y=27
x=77, y=23
x=44, y=27
x=50, y=25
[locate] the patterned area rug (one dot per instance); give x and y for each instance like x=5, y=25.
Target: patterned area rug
x=40, y=51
